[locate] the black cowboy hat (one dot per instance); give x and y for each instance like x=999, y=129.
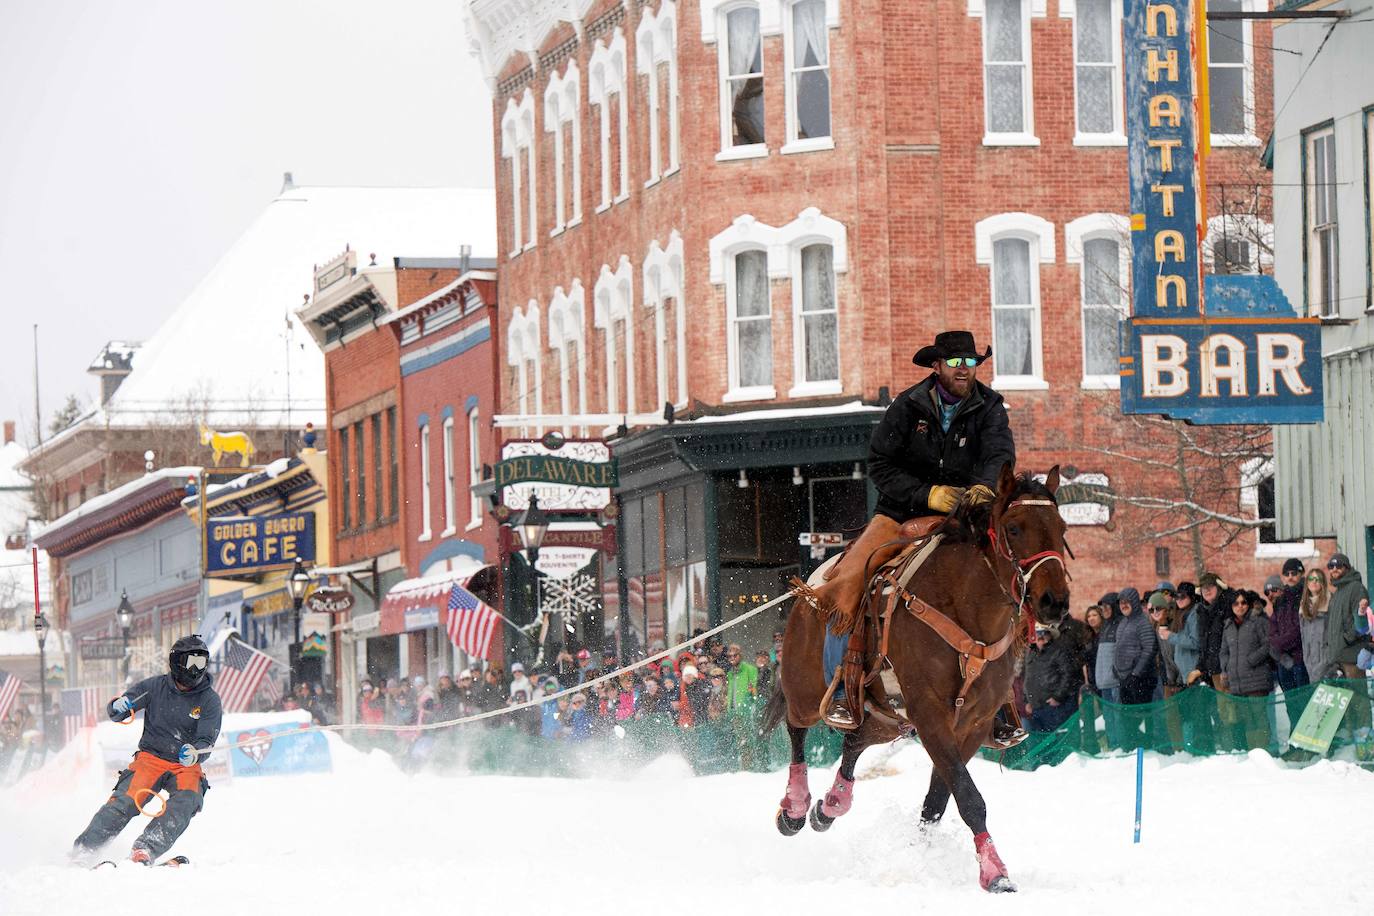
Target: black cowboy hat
x=949, y=344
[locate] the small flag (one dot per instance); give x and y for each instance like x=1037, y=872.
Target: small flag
x=471, y=623
x=242, y=671
x=81, y=708
x=9, y=690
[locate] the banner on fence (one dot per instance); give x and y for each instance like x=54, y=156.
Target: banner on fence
x=277, y=750
x=1319, y=720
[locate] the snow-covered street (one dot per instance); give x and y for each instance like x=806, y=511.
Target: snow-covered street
x=1220, y=835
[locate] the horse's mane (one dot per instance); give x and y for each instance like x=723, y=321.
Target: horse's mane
x=969, y=524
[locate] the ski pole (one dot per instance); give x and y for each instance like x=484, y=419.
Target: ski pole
x=1139, y=786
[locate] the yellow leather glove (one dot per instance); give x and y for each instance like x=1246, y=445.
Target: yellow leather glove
x=979, y=495
x=943, y=499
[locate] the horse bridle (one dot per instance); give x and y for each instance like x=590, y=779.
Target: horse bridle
x=1024, y=568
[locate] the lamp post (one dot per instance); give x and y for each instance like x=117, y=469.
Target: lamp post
x=534, y=524
x=298, y=582
x=124, y=615
x=40, y=629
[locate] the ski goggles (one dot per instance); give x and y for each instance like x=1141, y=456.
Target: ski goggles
x=969, y=362
x=196, y=662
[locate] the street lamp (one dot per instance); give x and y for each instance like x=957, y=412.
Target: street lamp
x=297, y=582
x=125, y=617
x=40, y=629
x=534, y=524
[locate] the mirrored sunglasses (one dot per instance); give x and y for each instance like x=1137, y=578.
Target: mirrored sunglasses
x=197, y=662
x=954, y=362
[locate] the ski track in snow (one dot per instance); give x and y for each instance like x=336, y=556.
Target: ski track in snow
x=1218, y=835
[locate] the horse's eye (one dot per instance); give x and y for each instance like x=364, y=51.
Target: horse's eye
x=1014, y=530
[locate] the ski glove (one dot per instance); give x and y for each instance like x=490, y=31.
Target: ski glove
x=120, y=707
x=979, y=495
x=943, y=499
x=188, y=755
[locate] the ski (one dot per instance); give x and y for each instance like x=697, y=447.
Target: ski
x=173, y=862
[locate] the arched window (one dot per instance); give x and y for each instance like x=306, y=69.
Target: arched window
x=1014, y=245
x=562, y=114
x=517, y=145
x=656, y=58
x=606, y=90
x=1098, y=243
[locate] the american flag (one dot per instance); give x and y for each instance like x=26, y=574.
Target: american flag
x=82, y=707
x=470, y=622
x=242, y=672
x=9, y=689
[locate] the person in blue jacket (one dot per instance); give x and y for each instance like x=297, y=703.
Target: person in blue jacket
x=181, y=720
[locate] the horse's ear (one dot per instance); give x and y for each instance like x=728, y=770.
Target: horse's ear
x=1052, y=480
x=1006, y=481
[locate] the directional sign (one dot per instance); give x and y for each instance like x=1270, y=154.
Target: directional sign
x=1223, y=349
x=98, y=648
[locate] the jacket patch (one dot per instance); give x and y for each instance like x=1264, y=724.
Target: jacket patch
x=962, y=441
x=922, y=427
x=195, y=713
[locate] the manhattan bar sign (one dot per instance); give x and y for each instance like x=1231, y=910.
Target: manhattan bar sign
x=1220, y=349
x=554, y=470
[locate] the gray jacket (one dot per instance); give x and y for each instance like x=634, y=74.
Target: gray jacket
x=1245, y=654
x=1316, y=657
x=1187, y=644
x=1342, y=639
x=1103, y=675
x=1135, y=640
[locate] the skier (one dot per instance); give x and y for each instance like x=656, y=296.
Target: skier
x=181, y=721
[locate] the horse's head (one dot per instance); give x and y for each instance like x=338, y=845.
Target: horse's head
x=1028, y=530
x=205, y=434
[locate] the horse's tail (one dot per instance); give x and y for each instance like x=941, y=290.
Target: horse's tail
x=774, y=712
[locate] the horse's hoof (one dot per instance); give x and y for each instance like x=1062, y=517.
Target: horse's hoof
x=819, y=821
x=1001, y=885
x=788, y=826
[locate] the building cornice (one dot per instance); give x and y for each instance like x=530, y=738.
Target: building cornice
x=500, y=29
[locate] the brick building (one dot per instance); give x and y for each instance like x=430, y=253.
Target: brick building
x=757, y=211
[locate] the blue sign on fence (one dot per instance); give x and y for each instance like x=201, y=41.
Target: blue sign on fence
x=252, y=544
x=277, y=750
x=1229, y=349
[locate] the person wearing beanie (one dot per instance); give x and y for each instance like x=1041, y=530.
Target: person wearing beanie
x=1285, y=628
x=1134, y=663
x=1343, y=638
x=1108, y=684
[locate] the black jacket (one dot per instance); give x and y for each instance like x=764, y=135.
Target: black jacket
x=1054, y=672
x=1215, y=618
x=172, y=716
x=909, y=452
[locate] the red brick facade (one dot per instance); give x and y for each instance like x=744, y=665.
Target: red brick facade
x=911, y=190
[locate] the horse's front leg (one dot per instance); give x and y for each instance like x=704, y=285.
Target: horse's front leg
x=937, y=800
x=951, y=769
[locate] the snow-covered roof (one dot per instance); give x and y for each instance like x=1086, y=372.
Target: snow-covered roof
x=97, y=503
x=233, y=353
x=403, y=313
x=787, y=413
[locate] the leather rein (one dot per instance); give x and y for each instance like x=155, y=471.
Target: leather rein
x=974, y=655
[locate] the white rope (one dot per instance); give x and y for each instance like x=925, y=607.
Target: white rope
x=507, y=710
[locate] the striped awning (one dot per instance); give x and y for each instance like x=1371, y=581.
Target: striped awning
x=417, y=604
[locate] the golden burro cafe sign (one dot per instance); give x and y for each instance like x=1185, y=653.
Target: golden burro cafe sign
x=1216, y=349
x=245, y=545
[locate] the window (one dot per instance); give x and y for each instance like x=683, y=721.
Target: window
x=379, y=506
x=1097, y=71
x=1104, y=295
x=395, y=462
x=1264, y=497
x=562, y=112
x=424, y=484
x=450, y=483
x=817, y=320
x=656, y=58
x=1006, y=72
x=345, y=483
x=1257, y=494
x=361, y=450
x=1014, y=245
x=808, y=77
x=751, y=334
x=474, y=469
x=742, y=82
x=517, y=145
x=1228, y=75
x=606, y=90
x=1322, y=244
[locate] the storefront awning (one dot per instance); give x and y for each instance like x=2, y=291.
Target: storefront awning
x=417, y=604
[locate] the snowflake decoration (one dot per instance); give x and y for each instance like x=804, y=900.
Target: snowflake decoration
x=574, y=595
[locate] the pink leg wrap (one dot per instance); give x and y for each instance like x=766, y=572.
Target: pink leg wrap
x=798, y=798
x=990, y=866
x=839, y=798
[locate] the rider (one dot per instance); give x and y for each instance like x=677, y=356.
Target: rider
x=181, y=721
x=940, y=441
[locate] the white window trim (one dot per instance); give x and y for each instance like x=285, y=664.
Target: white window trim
x=801, y=389
x=612, y=301
x=426, y=516
x=656, y=44
x=450, y=482
x=474, y=469
x=567, y=332
x=1039, y=233
x=728, y=151
x=1068, y=9
x=1247, y=82
x=810, y=144
x=1252, y=474
x=562, y=109
x=517, y=133
x=607, y=78
x=1309, y=224
x=1036, y=9
x=1112, y=226
x=662, y=278
x=748, y=151
x=1259, y=233
x=735, y=391
x=522, y=354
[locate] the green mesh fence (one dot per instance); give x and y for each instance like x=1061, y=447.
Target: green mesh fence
x=1199, y=721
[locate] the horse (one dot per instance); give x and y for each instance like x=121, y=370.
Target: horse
x=235, y=443
x=991, y=563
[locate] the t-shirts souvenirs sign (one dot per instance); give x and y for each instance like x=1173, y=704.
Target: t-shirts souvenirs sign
x=1220, y=349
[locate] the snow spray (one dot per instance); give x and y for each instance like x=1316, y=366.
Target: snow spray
x=1139, y=785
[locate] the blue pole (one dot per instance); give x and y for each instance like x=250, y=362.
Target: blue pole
x=1139, y=785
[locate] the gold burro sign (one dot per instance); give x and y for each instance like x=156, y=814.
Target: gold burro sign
x=235, y=443
x=555, y=470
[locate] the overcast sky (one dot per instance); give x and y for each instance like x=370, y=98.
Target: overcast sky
x=139, y=138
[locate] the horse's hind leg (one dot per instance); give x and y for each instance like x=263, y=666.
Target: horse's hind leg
x=841, y=795
x=937, y=800
x=792, y=810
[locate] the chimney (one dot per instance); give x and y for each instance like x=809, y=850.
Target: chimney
x=287, y=182
x=9, y=431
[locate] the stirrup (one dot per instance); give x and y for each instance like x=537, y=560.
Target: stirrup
x=838, y=716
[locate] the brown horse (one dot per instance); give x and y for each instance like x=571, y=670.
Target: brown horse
x=988, y=555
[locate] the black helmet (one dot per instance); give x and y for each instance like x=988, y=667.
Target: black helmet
x=189, y=661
